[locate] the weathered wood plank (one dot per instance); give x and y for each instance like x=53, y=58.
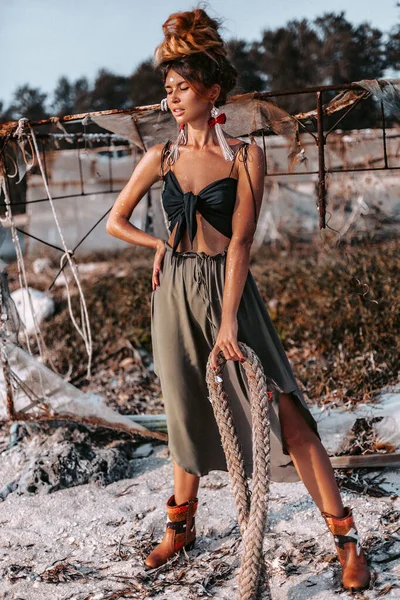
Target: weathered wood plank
x=366, y=460
x=159, y=423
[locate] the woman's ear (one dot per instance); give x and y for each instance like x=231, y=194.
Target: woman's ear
x=215, y=92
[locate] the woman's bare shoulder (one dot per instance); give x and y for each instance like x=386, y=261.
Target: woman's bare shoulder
x=155, y=152
x=152, y=159
x=256, y=152
x=251, y=151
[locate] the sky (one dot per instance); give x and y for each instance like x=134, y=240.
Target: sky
x=41, y=40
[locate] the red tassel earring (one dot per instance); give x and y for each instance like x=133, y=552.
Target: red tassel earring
x=216, y=120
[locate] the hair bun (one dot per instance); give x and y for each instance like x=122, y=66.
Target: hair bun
x=187, y=33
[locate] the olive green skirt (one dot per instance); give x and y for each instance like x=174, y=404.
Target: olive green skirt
x=186, y=313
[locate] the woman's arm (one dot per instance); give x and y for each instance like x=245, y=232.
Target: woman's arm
x=145, y=174
x=244, y=223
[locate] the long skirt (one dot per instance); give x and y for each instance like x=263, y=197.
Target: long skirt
x=186, y=311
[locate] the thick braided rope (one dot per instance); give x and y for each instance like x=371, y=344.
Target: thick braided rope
x=252, y=508
x=230, y=442
x=253, y=572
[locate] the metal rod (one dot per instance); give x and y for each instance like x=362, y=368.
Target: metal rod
x=305, y=128
x=77, y=246
x=137, y=110
x=2, y=205
x=80, y=171
x=265, y=153
x=42, y=143
x=334, y=171
x=345, y=115
x=321, y=163
x=384, y=136
x=9, y=390
x=38, y=239
x=274, y=174
x=110, y=177
x=3, y=336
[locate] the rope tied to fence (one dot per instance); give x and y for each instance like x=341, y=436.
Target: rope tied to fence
x=251, y=506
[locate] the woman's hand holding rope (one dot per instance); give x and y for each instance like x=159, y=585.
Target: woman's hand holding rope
x=227, y=343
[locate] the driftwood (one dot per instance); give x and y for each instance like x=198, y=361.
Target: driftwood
x=159, y=423
x=366, y=460
x=42, y=395
x=151, y=422
x=93, y=421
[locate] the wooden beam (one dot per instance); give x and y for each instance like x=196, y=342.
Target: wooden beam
x=366, y=460
x=159, y=423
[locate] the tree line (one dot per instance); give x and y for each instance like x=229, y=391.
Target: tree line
x=328, y=50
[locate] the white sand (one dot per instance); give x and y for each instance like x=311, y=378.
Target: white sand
x=90, y=527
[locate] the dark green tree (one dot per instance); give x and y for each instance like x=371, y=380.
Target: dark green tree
x=146, y=85
x=64, y=100
x=110, y=91
x=5, y=114
x=290, y=58
x=246, y=59
x=28, y=102
x=349, y=53
x=393, y=46
x=72, y=97
x=327, y=51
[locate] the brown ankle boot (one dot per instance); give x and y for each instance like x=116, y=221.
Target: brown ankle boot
x=355, y=571
x=180, y=532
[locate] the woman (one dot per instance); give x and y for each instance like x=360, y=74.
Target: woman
x=204, y=297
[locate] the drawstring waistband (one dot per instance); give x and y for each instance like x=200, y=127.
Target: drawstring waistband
x=194, y=254
x=202, y=259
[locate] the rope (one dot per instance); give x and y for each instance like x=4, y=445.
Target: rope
x=84, y=330
x=72, y=252
x=252, y=507
x=23, y=281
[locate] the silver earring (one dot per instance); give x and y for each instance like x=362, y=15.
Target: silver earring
x=180, y=141
x=164, y=105
x=215, y=121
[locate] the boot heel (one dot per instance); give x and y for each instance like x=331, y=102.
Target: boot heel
x=190, y=546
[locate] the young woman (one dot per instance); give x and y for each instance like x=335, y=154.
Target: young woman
x=205, y=299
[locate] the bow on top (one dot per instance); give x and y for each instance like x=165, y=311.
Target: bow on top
x=215, y=202
x=218, y=120
x=185, y=216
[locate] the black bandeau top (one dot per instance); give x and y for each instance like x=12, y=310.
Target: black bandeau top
x=215, y=202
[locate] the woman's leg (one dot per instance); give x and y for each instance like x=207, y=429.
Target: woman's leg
x=180, y=529
x=186, y=485
x=309, y=457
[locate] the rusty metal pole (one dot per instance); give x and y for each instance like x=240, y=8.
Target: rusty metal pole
x=4, y=361
x=384, y=136
x=3, y=324
x=321, y=163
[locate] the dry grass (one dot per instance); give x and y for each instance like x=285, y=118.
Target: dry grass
x=336, y=311
x=338, y=315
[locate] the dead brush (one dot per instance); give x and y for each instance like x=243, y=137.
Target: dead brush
x=336, y=312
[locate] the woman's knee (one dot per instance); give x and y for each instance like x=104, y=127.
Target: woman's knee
x=296, y=432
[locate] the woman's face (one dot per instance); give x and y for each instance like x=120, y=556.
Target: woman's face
x=183, y=102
